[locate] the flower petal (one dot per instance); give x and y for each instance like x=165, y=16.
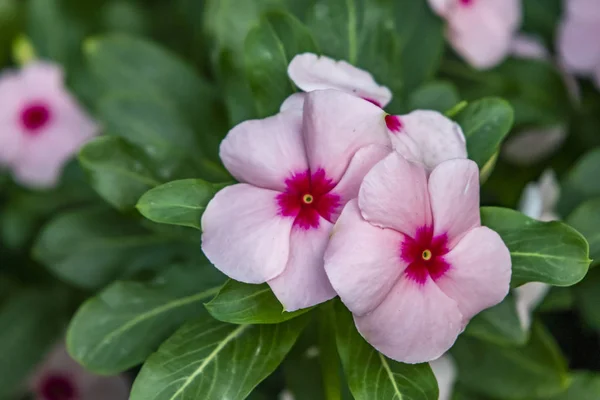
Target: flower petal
x=529, y=47
x=243, y=234
x=481, y=47
x=579, y=51
x=532, y=146
x=267, y=151
x=479, y=274
x=311, y=72
x=588, y=9
x=454, y=191
x=304, y=283
x=528, y=297
x=362, y=261
x=415, y=323
x=337, y=125
x=437, y=137
x=394, y=195
x=293, y=102
x=362, y=162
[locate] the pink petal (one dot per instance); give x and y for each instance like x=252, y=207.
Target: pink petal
x=437, y=137
x=527, y=46
x=265, y=152
x=43, y=77
x=577, y=44
x=414, y=324
x=482, y=48
x=304, y=283
x=311, y=72
x=532, y=146
x=337, y=125
x=243, y=234
x=479, y=276
x=293, y=102
x=588, y=9
x=454, y=191
x=508, y=11
x=394, y=195
x=362, y=162
x=528, y=297
x=362, y=261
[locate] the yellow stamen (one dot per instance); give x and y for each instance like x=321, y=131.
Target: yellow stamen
x=426, y=255
x=307, y=198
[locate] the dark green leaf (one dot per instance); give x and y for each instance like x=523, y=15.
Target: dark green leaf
x=439, y=96
x=118, y=171
x=127, y=321
x=215, y=360
x=519, y=372
x=11, y=18
x=587, y=297
x=371, y=375
x=328, y=355
x=485, y=123
x=549, y=252
x=586, y=219
x=581, y=182
x=269, y=48
x=499, y=324
x=243, y=303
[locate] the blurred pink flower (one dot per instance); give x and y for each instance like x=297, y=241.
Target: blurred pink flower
x=481, y=31
x=297, y=170
x=411, y=260
x=59, y=377
x=311, y=72
x=578, y=43
x=42, y=124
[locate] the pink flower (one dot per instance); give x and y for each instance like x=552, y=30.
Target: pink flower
x=297, y=170
x=411, y=260
x=42, y=124
x=481, y=31
x=311, y=72
x=59, y=377
x=578, y=43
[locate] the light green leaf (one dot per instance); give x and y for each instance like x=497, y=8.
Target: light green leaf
x=549, y=252
x=122, y=325
x=243, y=303
x=118, y=171
x=584, y=386
x=499, y=324
x=586, y=219
x=371, y=375
x=439, y=96
x=215, y=360
x=518, y=372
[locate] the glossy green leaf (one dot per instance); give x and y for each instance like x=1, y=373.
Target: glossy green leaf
x=118, y=171
x=485, y=123
x=243, y=303
x=584, y=386
x=177, y=203
x=31, y=321
x=215, y=360
x=91, y=247
x=586, y=219
x=499, y=324
x=371, y=375
x=439, y=96
x=549, y=252
x=518, y=372
x=269, y=48
x=122, y=325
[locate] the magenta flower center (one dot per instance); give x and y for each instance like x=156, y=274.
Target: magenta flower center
x=466, y=2
x=393, y=123
x=424, y=255
x=35, y=116
x=307, y=197
x=57, y=387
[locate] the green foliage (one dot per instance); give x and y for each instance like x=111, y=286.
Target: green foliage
x=438, y=95
x=586, y=219
x=581, y=182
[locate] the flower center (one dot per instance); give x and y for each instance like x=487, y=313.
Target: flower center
x=424, y=255
x=57, y=387
x=307, y=198
x=35, y=116
x=393, y=123
x=466, y=2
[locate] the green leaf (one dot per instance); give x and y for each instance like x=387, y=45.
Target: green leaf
x=122, y=325
x=581, y=182
x=518, y=372
x=549, y=252
x=485, y=123
x=586, y=219
x=31, y=321
x=584, y=386
x=178, y=202
x=499, y=324
x=243, y=303
x=11, y=18
x=118, y=171
x=328, y=355
x=215, y=360
x=269, y=48
x=91, y=247
x=439, y=96
x=371, y=375
x=587, y=297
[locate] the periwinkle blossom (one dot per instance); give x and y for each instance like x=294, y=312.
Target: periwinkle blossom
x=42, y=124
x=410, y=259
x=578, y=44
x=59, y=377
x=481, y=31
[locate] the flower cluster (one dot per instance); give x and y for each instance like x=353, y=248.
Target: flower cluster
x=338, y=197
